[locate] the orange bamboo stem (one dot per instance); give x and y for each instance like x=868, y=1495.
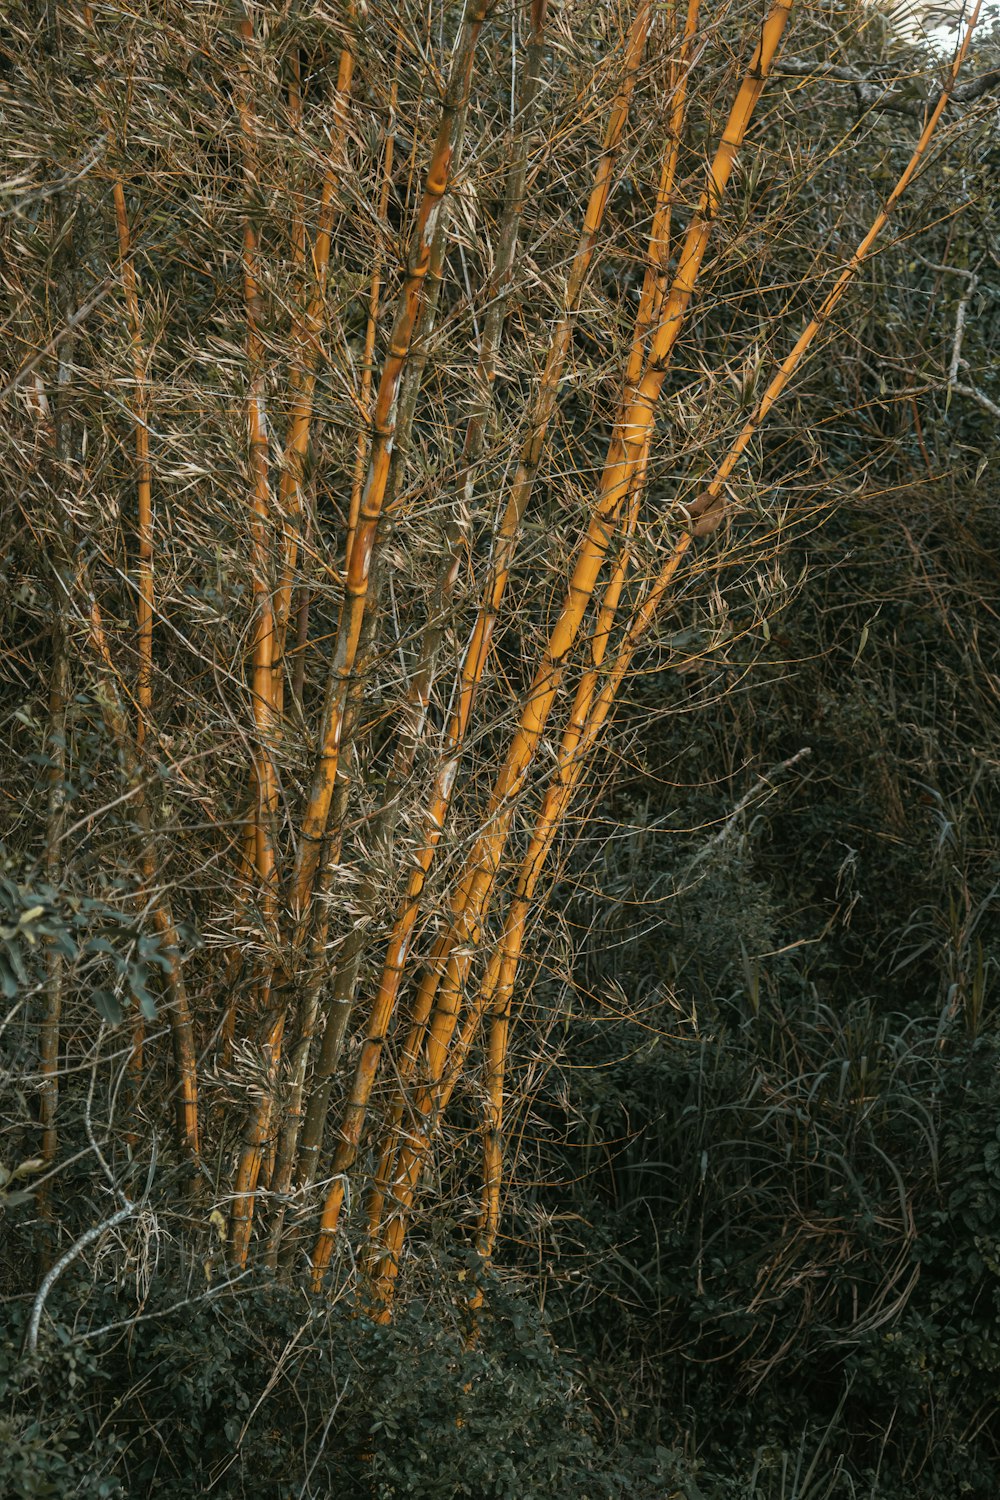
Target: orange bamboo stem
x=653, y=289
x=477, y=651
x=626, y=458
x=439, y=175
x=585, y=726
x=356, y=587
x=306, y=343
x=440, y=991
x=263, y=680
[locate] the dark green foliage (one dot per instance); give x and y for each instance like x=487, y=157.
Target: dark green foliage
x=257, y=1391
x=785, y=1202
x=115, y=958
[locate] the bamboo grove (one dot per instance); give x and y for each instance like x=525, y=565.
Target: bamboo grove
x=355, y=406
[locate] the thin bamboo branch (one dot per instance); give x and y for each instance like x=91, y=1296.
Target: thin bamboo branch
x=425, y=257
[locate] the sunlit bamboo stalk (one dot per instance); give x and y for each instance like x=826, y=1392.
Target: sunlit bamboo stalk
x=263, y=679
x=496, y=990
x=345, y=980
x=358, y=569
x=626, y=458
x=584, y=729
x=305, y=359
x=476, y=653
x=440, y=991
x=438, y=178
x=309, y=1005
x=655, y=282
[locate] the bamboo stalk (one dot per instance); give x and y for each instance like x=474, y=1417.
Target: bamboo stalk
x=337, y=1018
x=440, y=991
x=357, y=581
x=345, y=981
x=263, y=691
x=498, y=291
x=143, y=470
x=306, y=346
x=477, y=651
x=496, y=992
x=626, y=458
x=438, y=178
x=582, y=731
x=654, y=286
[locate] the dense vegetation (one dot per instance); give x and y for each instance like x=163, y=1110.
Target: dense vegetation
x=406, y=1089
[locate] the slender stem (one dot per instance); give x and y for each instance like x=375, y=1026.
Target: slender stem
x=582, y=732
x=263, y=679
x=306, y=350
x=440, y=992
x=48, y=1047
x=439, y=174
x=476, y=653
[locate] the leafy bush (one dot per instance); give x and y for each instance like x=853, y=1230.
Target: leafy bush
x=260, y=1391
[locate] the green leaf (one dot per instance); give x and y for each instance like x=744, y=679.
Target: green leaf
x=108, y=1007
x=8, y=984
x=101, y=945
x=137, y=984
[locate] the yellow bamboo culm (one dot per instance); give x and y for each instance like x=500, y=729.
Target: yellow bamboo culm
x=440, y=991
x=476, y=655
x=308, y=1015
x=626, y=457
x=582, y=732
x=262, y=684
x=655, y=282
x=314, y=821
x=306, y=350
x=155, y=901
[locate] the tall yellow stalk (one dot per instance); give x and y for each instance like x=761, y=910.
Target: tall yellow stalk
x=263, y=682
x=655, y=282
x=305, y=359
x=440, y=991
x=477, y=651
x=585, y=724
x=359, y=561
x=315, y=819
